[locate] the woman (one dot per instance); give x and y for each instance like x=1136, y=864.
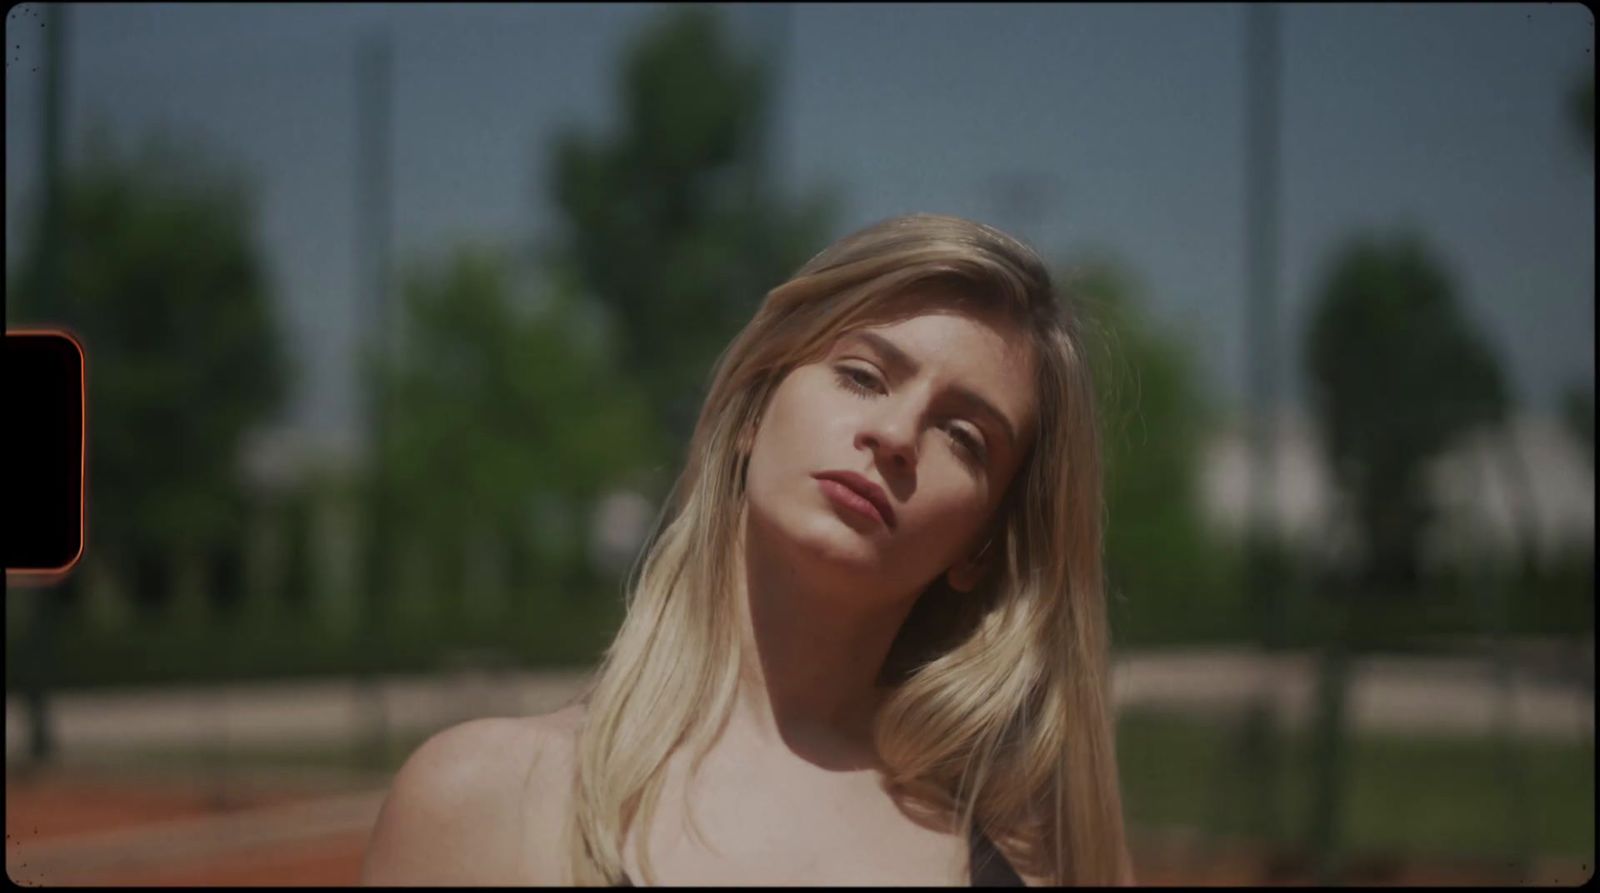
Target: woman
x=867, y=642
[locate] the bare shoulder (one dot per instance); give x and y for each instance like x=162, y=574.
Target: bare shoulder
x=481, y=802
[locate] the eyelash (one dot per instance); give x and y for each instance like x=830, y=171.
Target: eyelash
x=851, y=380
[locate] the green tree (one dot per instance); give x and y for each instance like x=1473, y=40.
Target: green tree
x=1397, y=373
x=506, y=409
x=670, y=220
x=164, y=284
x=1577, y=411
x=1577, y=400
x=1580, y=109
x=1166, y=573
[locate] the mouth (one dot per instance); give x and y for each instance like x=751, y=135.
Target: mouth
x=852, y=491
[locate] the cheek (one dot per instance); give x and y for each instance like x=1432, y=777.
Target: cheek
x=777, y=452
x=799, y=421
x=941, y=525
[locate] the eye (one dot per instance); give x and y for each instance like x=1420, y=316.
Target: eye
x=864, y=384
x=968, y=442
x=857, y=381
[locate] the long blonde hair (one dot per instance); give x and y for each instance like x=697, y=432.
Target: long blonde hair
x=998, y=717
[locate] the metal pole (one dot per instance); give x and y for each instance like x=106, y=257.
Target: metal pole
x=779, y=52
x=1261, y=324
x=373, y=199
x=1261, y=221
x=762, y=167
x=373, y=207
x=47, y=618
x=1495, y=592
x=1023, y=200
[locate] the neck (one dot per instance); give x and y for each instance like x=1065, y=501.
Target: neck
x=812, y=651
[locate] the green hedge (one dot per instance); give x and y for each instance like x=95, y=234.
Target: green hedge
x=573, y=628
x=1446, y=796
x=230, y=649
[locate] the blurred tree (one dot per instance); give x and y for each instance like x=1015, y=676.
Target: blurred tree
x=1165, y=571
x=1170, y=578
x=1577, y=401
x=506, y=409
x=164, y=284
x=670, y=221
x=1580, y=108
x=1397, y=373
x=1577, y=410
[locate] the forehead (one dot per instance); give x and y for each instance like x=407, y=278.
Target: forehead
x=983, y=352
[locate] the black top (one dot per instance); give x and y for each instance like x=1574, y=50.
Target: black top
x=989, y=866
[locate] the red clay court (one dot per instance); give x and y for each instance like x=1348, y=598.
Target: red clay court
x=98, y=827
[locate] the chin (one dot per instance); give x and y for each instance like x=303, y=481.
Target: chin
x=816, y=535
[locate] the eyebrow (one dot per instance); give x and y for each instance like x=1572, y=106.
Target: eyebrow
x=906, y=366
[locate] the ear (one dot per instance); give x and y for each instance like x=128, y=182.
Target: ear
x=964, y=577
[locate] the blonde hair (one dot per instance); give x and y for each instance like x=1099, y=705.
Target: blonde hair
x=999, y=715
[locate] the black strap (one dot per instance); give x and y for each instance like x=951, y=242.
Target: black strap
x=989, y=865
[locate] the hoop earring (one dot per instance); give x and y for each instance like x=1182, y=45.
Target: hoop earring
x=982, y=552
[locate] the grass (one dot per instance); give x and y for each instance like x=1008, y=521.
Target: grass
x=1435, y=796
x=353, y=757
x=1444, y=797
x=241, y=650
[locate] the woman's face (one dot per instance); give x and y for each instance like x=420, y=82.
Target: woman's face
x=937, y=410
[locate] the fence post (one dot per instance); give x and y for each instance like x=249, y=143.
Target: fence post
x=333, y=587
x=105, y=601
x=263, y=565
x=189, y=608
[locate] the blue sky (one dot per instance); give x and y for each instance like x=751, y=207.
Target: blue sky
x=1128, y=120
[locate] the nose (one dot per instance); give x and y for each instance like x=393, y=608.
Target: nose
x=891, y=436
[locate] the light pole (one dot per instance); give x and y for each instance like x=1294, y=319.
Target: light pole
x=47, y=618
x=1262, y=139
x=1022, y=199
x=373, y=206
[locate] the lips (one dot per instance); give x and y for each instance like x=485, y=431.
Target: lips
x=863, y=487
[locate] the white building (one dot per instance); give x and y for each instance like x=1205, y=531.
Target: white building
x=1482, y=504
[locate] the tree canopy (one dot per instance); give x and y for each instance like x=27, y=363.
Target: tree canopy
x=504, y=396
x=1163, y=569
x=163, y=281
x=1397, y=372
x=670, y=220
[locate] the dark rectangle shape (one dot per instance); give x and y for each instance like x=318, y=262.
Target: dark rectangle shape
x=45, y=456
